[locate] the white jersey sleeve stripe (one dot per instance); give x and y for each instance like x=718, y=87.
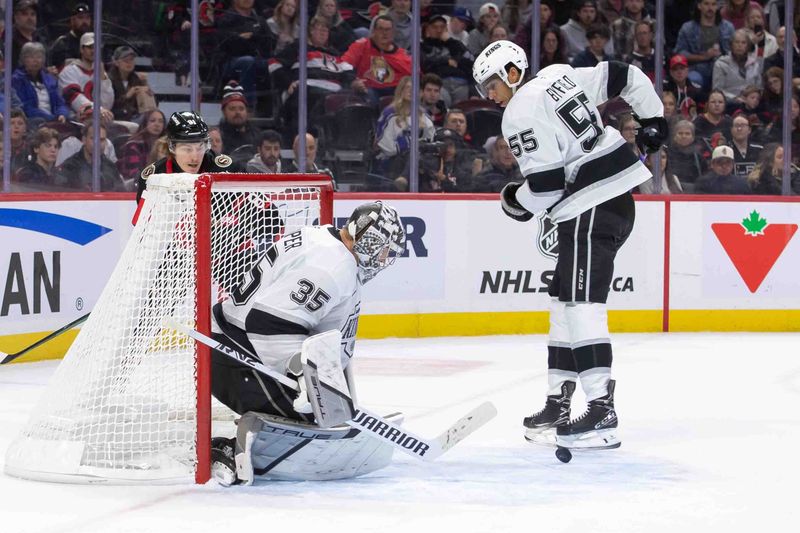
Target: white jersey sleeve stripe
x=275, y=350
x=283, y=337
x=536, y=202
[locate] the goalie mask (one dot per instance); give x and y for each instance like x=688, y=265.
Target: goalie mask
x=494, y=62
x=379, y=238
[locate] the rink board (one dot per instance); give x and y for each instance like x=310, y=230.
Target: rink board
x=54, y=262
x=724, y=279
x=469, y=270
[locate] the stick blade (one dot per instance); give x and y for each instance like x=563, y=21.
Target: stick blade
x=466, y=425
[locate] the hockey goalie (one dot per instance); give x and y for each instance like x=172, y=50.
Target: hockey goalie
x=307, y=283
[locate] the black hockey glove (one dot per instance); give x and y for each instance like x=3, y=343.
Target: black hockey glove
x=652, y=134
x=511, y=206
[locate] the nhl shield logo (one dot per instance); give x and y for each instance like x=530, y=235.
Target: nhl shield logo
x=547, y=239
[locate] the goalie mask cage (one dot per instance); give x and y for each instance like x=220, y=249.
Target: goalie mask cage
x=131, y=401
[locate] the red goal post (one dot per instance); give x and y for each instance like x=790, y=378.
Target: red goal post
x=204, y=186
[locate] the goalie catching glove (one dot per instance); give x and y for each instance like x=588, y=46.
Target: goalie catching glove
x=652, y=133
x=510, y=205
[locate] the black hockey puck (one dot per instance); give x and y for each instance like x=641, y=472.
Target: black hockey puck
x=563, y=454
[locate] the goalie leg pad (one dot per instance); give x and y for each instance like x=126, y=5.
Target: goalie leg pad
x=270, y=447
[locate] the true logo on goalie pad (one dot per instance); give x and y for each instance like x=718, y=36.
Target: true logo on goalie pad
x=300, y=434
x=392, y=434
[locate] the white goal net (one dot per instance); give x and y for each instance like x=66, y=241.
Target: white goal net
x=122, y=406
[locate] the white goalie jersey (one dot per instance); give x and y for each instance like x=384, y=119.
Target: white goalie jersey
x=305, y=284
x=570, y=160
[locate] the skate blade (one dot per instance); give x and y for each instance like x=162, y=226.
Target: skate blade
x=579, y=449
x=541, y=437
x=605, y=439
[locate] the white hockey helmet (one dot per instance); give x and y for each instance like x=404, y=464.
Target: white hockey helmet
x=379, y=238
x=495, y=61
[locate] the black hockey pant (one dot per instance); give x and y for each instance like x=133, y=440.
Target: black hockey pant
x=243, y=389
x=587, y=247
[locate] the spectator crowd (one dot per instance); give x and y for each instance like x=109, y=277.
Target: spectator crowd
x=723, y=78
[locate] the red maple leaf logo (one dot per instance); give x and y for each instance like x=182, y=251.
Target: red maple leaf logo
x=754, y=246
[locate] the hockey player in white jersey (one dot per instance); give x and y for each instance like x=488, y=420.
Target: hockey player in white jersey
x=308, y=282
x=581, y=173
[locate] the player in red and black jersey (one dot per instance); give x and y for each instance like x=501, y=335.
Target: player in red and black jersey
x=246, y=226
x=189, y=151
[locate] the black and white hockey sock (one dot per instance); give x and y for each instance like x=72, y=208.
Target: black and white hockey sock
x=560, y=363
x=560, y=368
x=591, y=346
x=593, y=362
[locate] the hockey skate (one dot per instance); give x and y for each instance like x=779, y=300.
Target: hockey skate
x=223, y=463
x=595, y=429
x=540, y=427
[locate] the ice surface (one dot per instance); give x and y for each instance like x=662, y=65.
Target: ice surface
x=709, y=424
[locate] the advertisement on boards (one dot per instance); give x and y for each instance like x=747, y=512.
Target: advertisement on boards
x=52, y=257
x=419, y=275
x=518, y=261
x=735, y=255
x=466, y=256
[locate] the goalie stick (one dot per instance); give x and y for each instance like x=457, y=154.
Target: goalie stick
x=372, y=424
x=7, y=358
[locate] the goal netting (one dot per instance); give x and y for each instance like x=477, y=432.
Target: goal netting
x=130, y=401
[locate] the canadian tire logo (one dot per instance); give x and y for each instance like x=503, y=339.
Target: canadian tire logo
x=547, y=238
x=754, y=246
